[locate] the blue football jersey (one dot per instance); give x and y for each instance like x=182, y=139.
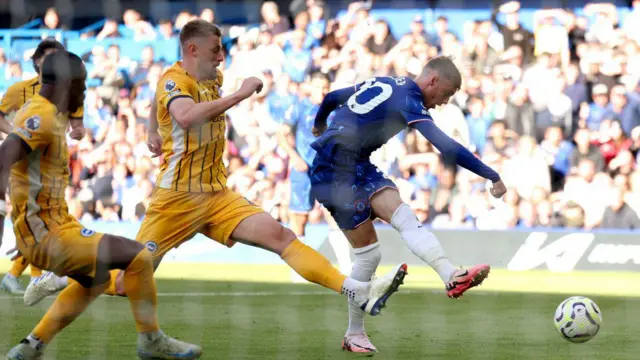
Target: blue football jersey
x=300, y=117
x=380, y=108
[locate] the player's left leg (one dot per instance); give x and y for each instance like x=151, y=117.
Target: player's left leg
x=388, y=206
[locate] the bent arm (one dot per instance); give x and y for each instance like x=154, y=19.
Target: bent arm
x=330, y=103
x=187, y=113
x=451, y=148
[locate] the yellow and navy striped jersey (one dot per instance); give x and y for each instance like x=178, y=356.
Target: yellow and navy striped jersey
x=193, y=156
x=19, y=93
x=38, y=182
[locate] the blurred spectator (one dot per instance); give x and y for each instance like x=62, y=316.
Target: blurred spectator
x=618, y=214
x=51, y=20
x=513, y=33
x=622, y=108
x=556, y=112
x=272, y=20
x=208, y=15
x=585, y=150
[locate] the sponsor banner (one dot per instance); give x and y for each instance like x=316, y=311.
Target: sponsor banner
x=556, y=251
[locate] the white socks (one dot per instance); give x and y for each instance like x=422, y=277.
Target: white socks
x=35, y=343
x=365, y=265
x=421, y=242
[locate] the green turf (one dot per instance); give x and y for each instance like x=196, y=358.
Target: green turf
x=419, y=324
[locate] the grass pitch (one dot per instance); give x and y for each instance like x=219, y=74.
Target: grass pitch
x=240, y=320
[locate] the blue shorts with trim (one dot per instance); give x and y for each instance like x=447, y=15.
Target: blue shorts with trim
x=347, y=192
x=301, y=199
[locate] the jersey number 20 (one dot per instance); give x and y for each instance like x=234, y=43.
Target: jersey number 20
x=385, y=94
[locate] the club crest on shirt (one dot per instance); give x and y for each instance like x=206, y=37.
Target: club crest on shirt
x=86, y=232
x=33, y=123
x=151, y=246
x=169, y=85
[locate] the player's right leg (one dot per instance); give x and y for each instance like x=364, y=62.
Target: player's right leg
x=367, y=254
x=388, y=206
x=11, y=281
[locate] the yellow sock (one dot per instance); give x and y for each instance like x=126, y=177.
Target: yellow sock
x=71, y=302
x=35, y=272
x=312, y=266
x=140, y=287
x=112, y=289
x=19, y=266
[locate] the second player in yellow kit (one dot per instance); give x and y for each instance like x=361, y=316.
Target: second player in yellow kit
x=191, y=195
x=14, y=98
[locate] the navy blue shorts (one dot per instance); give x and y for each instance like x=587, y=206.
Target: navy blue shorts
x=347, y=193
x=301, y=199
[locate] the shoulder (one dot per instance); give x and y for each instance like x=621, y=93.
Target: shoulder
x=16, y=87
x=174, y=77
x=36, y=116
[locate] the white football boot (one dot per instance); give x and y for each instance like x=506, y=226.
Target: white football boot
x=12, y=285
x=380, y=289
x=24, y=351
x=42, y=286
x=165, y=347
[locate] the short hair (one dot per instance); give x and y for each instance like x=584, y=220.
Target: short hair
x=198, y=28
x=62, y=66
x=44, y=45
x=445, y=67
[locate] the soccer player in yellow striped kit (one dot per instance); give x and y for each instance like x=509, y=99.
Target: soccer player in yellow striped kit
x=13, y=99
x=36, y=161
x=191, y=195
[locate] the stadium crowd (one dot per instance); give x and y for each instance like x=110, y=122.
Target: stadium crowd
x=556, y=111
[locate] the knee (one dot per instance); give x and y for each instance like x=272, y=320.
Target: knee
x=281, y=237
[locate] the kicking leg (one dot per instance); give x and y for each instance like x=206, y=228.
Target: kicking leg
x=263, y=231
x=388, y=206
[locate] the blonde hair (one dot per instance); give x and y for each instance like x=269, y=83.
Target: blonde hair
x=198, y=28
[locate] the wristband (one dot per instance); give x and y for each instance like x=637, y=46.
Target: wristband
x=3, y=208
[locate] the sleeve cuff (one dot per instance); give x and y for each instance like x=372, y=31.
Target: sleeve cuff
x=177, y=97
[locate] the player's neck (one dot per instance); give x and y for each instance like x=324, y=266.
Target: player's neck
x=190, y=66
x=57, y=98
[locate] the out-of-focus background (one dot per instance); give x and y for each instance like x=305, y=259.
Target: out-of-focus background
x=550, y=98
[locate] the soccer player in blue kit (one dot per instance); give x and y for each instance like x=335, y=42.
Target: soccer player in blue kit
x=355, y=192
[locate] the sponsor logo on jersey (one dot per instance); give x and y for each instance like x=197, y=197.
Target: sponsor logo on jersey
x=33, y=123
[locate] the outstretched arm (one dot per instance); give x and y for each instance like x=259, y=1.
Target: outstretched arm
x=330, y=103
x=451, y=148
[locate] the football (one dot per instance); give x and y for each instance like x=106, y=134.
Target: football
x=578, y=319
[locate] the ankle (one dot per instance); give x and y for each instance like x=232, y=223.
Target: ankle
x=34, y=342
